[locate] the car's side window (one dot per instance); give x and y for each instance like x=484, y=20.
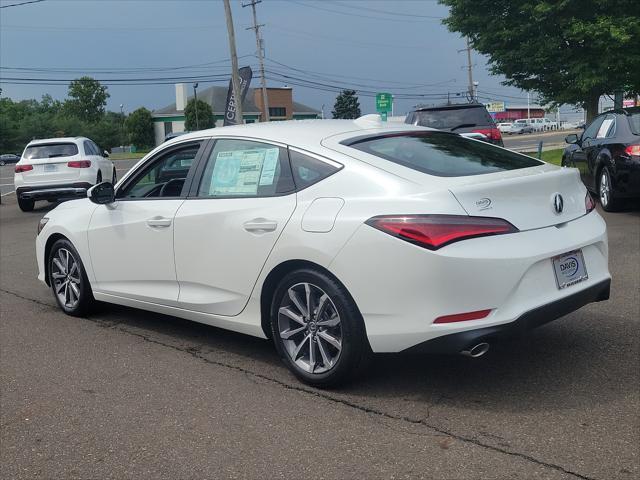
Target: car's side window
x=164, y=176
x=87, y=148
x=308, y=170
x=592, y=129
x=96, y=149
x=608, y=127
x=245, y=168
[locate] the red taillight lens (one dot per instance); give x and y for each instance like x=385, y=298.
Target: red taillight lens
x=632, y=150
x=589, y=203
x=23, y=168
x=436, y=231
x=490, y=133
x=463, y=317
x=79, y=164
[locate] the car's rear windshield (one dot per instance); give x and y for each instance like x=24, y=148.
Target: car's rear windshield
x=450, y=118
x=50, y=150
x=634, y=121
x=441, y=154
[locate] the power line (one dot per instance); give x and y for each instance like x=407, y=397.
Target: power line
x=387, y=12
x=21, y=3
x=349, y=14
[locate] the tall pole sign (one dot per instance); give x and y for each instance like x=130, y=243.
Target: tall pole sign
x=384, y=104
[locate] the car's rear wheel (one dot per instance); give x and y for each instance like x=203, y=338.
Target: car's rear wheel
x=99, y=178
x=317, y=328
x=114, y=178
x=2, y=163
x=605, y=191
x=68, y=279
x=25, y=204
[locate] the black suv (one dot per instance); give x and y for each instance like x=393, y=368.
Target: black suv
x=468, y=119
x=608, y=156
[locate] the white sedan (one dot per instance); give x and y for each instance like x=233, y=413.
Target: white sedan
x=335, y=238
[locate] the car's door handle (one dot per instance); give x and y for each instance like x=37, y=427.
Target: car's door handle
x=260, y=225
x=159, y=222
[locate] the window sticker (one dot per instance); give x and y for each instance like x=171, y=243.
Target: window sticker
x=239, y=172
x=269, y=166
x=604, y=128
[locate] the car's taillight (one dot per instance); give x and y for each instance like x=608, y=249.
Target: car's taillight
x=23, y=168
x=490, y=133
x=436, y=231
x=632, y=150
x=79, y=163
x=589, y=203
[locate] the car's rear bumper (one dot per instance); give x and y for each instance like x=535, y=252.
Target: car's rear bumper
x=457, y=342
x=54, y=192
x=401, y=289
x=626, y=179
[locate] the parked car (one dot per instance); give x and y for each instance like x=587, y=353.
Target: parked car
x=58, y=169
x=607, y=154
x=521, y=126
x=9, y=158
x=504, y=127
x=334, y=238
x=463, y=118
x=172, y=135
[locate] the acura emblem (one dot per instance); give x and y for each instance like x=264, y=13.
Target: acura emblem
x=558, y=203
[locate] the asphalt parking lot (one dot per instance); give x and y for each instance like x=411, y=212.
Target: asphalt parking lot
x=129, y=394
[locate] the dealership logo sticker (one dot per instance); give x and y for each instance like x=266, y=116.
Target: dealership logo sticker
x=569, y=267
x=558, y=203
x=483, y=204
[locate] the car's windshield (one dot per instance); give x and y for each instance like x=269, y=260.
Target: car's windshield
x=441, y=154
x=449, y=118
x=634, y=121
x=50, y=150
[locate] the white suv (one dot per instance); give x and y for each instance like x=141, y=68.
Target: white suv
x=58, y=169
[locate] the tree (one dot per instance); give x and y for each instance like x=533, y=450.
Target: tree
x=347, y=105
x=87, y=99
x=571, y=51
x=139, y=125
x=205, y=116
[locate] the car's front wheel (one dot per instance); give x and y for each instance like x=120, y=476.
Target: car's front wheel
x=2, y=163
x=605, y=191
x=317, y=328
x=68, y=279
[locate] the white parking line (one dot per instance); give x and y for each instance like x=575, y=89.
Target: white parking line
x=8, y=193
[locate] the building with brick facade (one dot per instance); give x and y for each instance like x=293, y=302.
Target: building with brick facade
x=171, y=118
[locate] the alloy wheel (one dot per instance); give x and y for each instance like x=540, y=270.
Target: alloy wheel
x=66, y=278
x=605, y=188
x=310, y=328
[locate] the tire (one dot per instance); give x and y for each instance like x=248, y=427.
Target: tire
x=99, y=178
x=605, y=191
x=26, y=205
x=317, y=350
x=69, y=283
x=2, y=163
x=114, y=178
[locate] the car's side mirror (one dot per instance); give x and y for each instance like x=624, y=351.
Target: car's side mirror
x=571, y=138
x=102, y=193
x=105, y=154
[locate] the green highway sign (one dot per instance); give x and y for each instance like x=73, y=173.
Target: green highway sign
x=384, y=102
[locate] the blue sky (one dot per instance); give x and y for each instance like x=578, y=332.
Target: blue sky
x=388, y=45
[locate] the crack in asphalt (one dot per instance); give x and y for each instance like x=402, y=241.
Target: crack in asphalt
x=195, y=352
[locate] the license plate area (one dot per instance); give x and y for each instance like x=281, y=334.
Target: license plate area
x=569, y=269
x=50, y=168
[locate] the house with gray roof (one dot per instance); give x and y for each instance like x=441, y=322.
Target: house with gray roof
x=170, y=119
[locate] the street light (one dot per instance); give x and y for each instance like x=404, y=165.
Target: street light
x=195, y=97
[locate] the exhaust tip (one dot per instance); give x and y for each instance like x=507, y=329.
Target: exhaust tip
x=476, y=351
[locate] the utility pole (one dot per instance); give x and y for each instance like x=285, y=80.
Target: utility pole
x=259, y=50
x=195, y=102
x=235, y=76
x=469, y=70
